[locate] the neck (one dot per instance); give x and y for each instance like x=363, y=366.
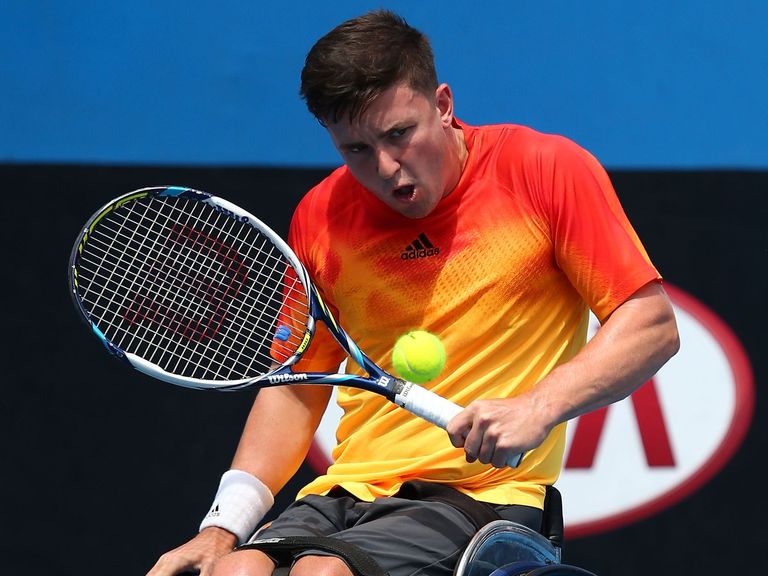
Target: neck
x=460, y=153
x=460, y=146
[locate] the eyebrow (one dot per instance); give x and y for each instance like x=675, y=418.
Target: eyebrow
x=379, y=135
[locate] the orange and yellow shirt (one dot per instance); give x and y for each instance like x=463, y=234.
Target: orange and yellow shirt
x=504, y=271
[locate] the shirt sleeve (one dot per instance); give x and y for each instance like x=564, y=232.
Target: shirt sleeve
x=595, y=244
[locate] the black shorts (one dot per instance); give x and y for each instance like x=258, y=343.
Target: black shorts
x=406, y=537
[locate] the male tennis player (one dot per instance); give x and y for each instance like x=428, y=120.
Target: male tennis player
x=526, y=235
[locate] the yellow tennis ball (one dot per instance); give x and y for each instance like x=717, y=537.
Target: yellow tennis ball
x=418, y=356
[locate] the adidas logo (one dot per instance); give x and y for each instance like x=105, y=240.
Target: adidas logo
x=419, y=248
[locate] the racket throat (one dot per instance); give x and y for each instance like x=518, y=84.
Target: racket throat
x=399, y=390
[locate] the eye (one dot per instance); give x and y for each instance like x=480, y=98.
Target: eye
x=396, y=133
x=355, y=148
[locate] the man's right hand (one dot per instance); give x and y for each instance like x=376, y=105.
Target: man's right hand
x=199, y=554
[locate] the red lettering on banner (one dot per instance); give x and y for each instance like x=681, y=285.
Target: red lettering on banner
x=650, y=422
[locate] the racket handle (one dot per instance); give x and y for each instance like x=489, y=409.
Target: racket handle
x=426, y=404
x=435, y=409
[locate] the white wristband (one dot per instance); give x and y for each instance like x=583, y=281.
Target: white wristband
x=241, y=502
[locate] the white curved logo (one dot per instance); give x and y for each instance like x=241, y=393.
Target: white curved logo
x=638, y=456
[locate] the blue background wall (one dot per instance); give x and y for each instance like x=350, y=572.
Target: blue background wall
x=657, y=84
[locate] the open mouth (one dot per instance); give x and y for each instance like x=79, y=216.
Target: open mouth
x=404, y=192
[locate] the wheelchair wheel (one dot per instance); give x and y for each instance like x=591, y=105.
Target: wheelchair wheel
x=539, y=569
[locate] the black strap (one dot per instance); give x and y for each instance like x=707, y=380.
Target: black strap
x=479, y=513
x=283, y=551
x=552, y=521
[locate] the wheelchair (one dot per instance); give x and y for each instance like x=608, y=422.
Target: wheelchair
x=505, y=548
x=499, y=548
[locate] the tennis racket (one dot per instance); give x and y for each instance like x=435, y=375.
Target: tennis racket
x=193, y=290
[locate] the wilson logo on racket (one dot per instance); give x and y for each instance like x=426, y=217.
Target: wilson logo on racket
x=174, y=274
x=286, y=378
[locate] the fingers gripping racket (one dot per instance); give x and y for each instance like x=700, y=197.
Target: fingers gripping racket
x=193, y=290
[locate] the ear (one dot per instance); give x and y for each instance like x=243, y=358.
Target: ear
x=444, y=103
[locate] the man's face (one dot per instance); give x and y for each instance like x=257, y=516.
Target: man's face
x=404, y=149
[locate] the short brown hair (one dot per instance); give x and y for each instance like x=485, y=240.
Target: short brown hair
x=354, y=63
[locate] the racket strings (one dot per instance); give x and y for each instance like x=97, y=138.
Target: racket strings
x=193, y=286
x=198, y=293
x=101, y=270
x=153, y=358
x=179, y=293
x=272, y=307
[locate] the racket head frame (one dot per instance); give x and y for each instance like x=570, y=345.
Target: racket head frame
x=229, y=210
x=379, y=381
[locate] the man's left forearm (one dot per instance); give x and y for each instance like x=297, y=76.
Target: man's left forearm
x=637, y=339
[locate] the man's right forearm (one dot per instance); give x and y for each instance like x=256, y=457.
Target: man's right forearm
x=279, y=432
x=275, y=440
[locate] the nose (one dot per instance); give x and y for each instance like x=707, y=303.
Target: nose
x=386, y=164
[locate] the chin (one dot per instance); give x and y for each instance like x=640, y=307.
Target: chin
x=414, y=212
